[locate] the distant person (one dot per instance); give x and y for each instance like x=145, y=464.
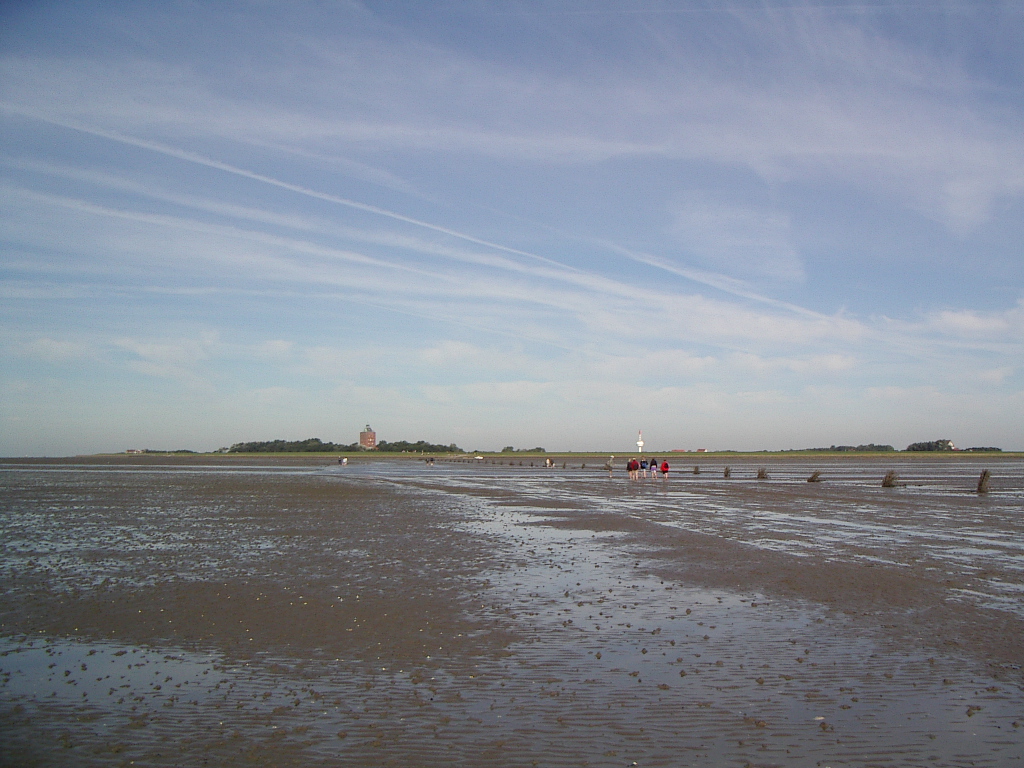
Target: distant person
x=643, y=467
x=664, y=469
x=654, y=468
x=610, y=465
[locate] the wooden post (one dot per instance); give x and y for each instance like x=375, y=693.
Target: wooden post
x=891, y=479
x=983, y=481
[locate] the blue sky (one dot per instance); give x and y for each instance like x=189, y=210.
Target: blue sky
x=731, y=225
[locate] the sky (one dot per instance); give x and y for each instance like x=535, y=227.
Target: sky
x=742, y=226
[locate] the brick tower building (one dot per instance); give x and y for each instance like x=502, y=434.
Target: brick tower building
x=368, y=439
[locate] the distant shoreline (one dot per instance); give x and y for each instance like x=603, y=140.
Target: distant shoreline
x=675, y=458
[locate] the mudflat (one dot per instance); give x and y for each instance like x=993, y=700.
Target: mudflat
x=190, y=611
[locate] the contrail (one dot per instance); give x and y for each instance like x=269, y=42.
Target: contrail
x=720, y=283
x=193, y=157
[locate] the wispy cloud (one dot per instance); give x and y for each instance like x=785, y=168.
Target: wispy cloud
x=738, y=240
x=170, y=358
x=58, y=351
x=1005, y=325
x=754, y=211
x=843, y=101
x=527, y=292
x=199, y=159
x=598, y=302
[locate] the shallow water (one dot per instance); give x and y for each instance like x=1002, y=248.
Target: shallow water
x=478, y=614
x=934, y=518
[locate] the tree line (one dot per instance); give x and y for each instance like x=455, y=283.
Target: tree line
x=312, y=445
x=316, y=445
x=857, y=448
x=420, y=446
x=947, y=445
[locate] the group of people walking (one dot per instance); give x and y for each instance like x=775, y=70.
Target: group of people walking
x=638, y=468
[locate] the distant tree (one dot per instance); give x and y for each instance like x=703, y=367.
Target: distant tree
x=934, y=445
x=315, y=445
x=508, y=449
x=312, y=445
x=420, y=446
x=855, y=448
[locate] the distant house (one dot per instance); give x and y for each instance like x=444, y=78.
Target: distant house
x=368, y=439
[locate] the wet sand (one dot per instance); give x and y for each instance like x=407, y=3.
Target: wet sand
x=187, y=612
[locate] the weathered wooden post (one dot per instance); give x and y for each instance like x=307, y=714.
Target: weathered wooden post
x=727, y=472
x=891, y=479
x=762, y=473
x=983, y=481
x=815, y=477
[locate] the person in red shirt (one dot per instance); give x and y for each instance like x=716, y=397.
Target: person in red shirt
x=664, y=469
